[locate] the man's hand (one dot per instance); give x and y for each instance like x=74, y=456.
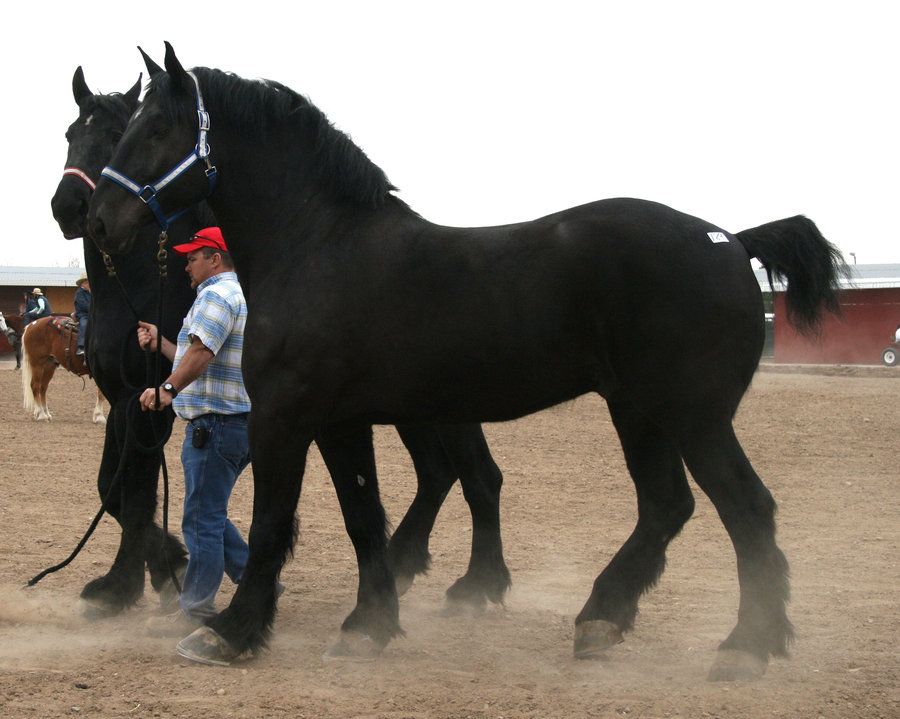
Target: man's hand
x=147, y=334
x=148, y=399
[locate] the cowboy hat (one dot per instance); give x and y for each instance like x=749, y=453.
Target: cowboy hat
x=37, y=291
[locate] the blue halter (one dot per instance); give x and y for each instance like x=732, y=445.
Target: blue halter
x=148, y=193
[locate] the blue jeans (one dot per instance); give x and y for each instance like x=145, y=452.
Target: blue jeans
x=82, y=331
x=214, y=543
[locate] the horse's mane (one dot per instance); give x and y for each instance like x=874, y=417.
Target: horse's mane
x=260, y=107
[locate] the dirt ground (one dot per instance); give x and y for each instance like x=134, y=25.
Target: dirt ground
x=827, y=446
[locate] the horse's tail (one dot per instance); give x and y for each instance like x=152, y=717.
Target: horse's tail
x=793, y=251
x=28, y=401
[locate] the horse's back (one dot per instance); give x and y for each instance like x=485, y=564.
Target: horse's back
x=636, y=266
x=614, y=294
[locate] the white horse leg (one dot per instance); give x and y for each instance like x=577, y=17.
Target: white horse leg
x=32, y=381
x=99, y=417
x=28, y=399
x=46, y=376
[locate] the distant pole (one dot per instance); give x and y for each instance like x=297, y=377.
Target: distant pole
x=853, y=255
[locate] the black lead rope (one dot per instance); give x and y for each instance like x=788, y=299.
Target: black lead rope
x=111, y=271
x=162, y=263
x=131, y=411
x=130, y=443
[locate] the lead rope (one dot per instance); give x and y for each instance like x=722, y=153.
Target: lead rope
x=130, y=409
x=162, y=257
x=111, y=271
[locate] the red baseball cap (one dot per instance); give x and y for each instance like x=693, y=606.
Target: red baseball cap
x=207, y=237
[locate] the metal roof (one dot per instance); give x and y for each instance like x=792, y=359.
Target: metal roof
x=862, y=277
x=39, y=276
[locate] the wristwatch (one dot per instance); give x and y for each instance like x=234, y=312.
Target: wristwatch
x=170, y=388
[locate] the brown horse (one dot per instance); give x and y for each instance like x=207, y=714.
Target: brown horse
x=48, y=343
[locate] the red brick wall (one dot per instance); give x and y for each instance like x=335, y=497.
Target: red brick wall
x=858, y=337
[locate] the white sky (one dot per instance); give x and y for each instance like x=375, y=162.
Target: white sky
x=487, y=113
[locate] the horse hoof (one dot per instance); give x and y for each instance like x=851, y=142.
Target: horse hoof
x=95, y=609
x=734, y=665
x=403, y=584
x=206, y=646
x=594, y=637
x=354, y=647
x=108, y=595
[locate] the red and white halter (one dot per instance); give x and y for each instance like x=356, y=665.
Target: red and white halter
x=83, y=175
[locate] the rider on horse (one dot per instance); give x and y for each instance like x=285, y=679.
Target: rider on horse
x=36, y=306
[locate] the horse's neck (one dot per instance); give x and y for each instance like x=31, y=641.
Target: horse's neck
x=270, y=207
x=245, y=202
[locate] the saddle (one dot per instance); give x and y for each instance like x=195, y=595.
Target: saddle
x=64, y=323
x=68, y=328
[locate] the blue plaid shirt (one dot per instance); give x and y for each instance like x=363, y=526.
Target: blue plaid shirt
x=216, y=319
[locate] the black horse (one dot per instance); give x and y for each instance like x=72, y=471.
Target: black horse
x=439, y=455
x=118, y=365
x=395, y=319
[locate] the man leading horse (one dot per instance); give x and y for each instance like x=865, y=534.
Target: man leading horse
x=206, y=389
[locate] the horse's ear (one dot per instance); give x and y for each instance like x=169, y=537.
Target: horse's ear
x=152, y=67
x=177, y=72
x=79, y=87
x=131, y=97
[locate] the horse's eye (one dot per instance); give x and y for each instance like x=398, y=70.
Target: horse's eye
x=116, y=136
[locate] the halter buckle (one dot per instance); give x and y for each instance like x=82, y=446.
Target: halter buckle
x=151, y=194
x=203, y=117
